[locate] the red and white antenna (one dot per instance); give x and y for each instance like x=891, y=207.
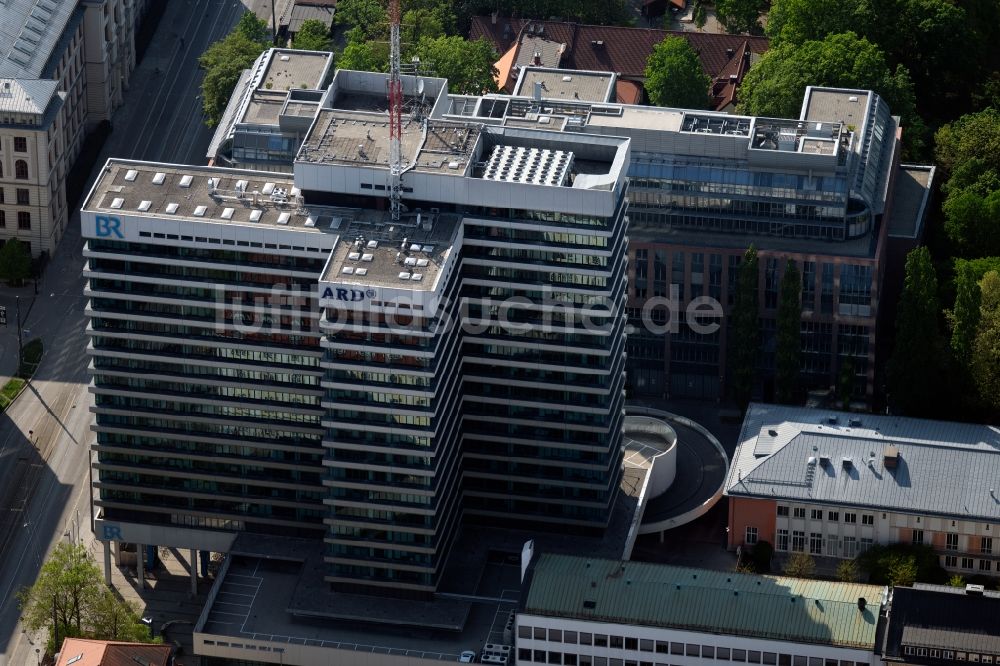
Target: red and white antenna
x=395, y=113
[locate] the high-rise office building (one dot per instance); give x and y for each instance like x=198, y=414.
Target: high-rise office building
x=282, y=357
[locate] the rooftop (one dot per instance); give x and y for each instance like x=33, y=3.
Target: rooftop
x=87, y=652
x=291, y=68
x=723, y=602
x=359, y=137
x=205, y=194
x=839, y=458
x=567, y=84
x=29, y=31
x=909, y=200
x=832, y=105
x=314, y=11
x=941, y=617
x=374, y=251
x=26, y=95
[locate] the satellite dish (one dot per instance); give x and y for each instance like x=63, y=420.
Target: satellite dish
x=420, y=86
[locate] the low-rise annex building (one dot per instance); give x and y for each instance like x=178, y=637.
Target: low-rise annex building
x=581, y=611
x=834, y=484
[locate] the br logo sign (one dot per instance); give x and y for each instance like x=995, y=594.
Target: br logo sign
x=106, y=227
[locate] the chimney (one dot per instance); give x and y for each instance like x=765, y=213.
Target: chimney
x=862, y=603
x=730, y=52
x=536, y=59
x=493, y=17
x=890, y=457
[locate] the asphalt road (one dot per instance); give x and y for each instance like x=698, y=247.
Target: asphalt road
x=44, y=435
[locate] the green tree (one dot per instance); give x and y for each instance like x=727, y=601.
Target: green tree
x=367, y=17
x=915, y=366
x=902, y=571
x=224, y=62
x=15, y=262
x=964, y=316
x=800, y=565
x=253, y=28
x=956, y=581
x=740, y=16
x=468, y=65
x=847, y=571
x=313, y=35
x=845, y=382
x=761, y=554
x=973, y=138
x=789, y=341
x=745, y=330
x=365, y=57
x=985, y=362
x=420, y=23
x=902, y=564
x=674, y=76
x=800, y=21
x=70, y=594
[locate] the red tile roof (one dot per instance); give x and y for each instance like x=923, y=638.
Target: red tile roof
x=87, y=652
x=623, y=50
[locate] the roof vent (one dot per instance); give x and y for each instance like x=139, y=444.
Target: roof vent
x=117, y=202
x=890, y=457
x=847, y=463
x=255, y=215
x=283, y=218
x=772, y=433
x=832, y=420
x=145, y=204
x=824, y=460
x=158, y=178
x=131, y=174
x=591, y=605
x=199, y=211
x=854, y=423
x=186, y=181
x=862, y=603
x=171, y=208
x=976, y=590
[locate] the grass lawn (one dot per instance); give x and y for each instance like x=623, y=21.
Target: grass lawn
x=10, y=391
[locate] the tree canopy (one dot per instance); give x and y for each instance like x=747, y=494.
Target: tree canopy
x=985, y=364
x=740, y=16
x=468, y=65
x=789, y=343
x=224, y=62
x=313, y=35
x=915, y=370
x=674, y=76
x=15, y=262
x=71, y=589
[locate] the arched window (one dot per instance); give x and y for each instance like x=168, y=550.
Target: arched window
x=21, y=170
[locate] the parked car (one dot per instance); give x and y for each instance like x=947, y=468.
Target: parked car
x=467, y=657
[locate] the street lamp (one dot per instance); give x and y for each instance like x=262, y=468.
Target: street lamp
x=38, y=655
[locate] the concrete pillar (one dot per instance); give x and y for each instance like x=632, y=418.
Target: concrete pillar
x=140, y=564
x=107, y=563
x=194, y=572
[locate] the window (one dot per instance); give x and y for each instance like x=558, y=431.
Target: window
x=707, y=652
x=798, y=541
x=21, y=170
x=722, y=654
x=677, y=648
x=950, y=561
x=22, y=197
x=523, y=654
x=569, y=637
x=631, y=643
x=524, y=632
x=918, y=537
x=555, y=657
x=600, y=640
x=832, y=545
x=646, y=645
x=850, y=518
x=967, y=563
x=868, y=519
x=985, y=565
x=951, y=541
x=986, y=545
x=782, y=540
x=816, y=514
x=739, y=655
x=539, y=633
x=753, y=656
x=833, y=516
x=770, y=658
x=691, y=650
x=815, y=543
x=3, y=220
x=799, y=512
x=555, y=635
x=662, y=647
x=585, y=638
x=866, y=544
x=539, y=656
x=616, y=642
x=782, y=510
x=23, y=219
x=850, y=547
x=751, y=536
x=20, y=144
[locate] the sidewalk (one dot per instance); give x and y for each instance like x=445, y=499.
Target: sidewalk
x=8, y=333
